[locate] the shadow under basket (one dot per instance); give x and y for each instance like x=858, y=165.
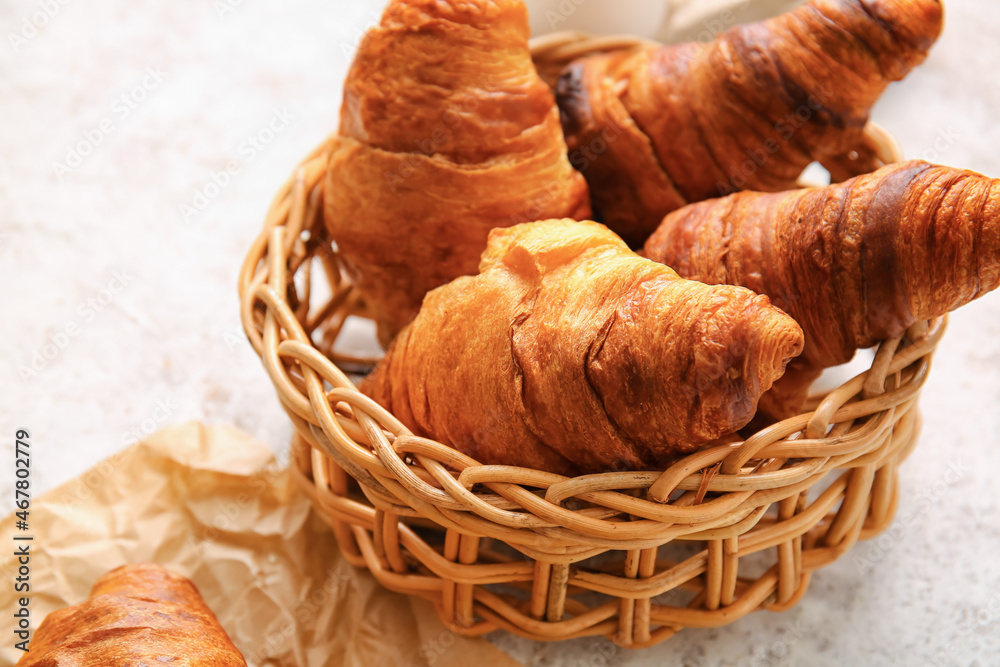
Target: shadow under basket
x=633, y=556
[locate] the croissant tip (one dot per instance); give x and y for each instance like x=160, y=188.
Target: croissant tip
x=781, y=338
x=919, y=22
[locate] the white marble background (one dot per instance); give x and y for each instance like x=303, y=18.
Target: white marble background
x=161, y=344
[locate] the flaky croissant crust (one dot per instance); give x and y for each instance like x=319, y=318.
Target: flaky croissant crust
x=136, y=614
x=854, y=263
x=570, y=353
x=446, y=132
x=659, y=128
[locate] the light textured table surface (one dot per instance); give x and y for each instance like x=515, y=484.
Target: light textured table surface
x=120, y=311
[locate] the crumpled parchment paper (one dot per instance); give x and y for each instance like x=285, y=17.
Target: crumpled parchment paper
x=212, y=504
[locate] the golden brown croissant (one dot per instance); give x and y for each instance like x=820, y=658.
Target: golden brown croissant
x=446, y=132
x=136, y=615
x=570, y=353
x=656, y=129
x=854, y=264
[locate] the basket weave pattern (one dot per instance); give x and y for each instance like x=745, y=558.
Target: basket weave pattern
x=634, y=556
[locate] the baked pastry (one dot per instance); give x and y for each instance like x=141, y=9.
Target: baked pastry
x=572, y=354
x=446, y=132
x=854, y=263
x=659, y=128
x=136, y=615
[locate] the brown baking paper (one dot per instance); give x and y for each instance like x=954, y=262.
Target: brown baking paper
x=212, y=504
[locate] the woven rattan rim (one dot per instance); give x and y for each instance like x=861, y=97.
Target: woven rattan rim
x=377, y=484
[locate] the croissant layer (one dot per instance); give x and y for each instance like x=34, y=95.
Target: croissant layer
x=655, y=129
x=446, y=132
x=854, y=263
x=570, y=353
x=136, y=614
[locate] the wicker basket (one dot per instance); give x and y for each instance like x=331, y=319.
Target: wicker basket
x=634, y=556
